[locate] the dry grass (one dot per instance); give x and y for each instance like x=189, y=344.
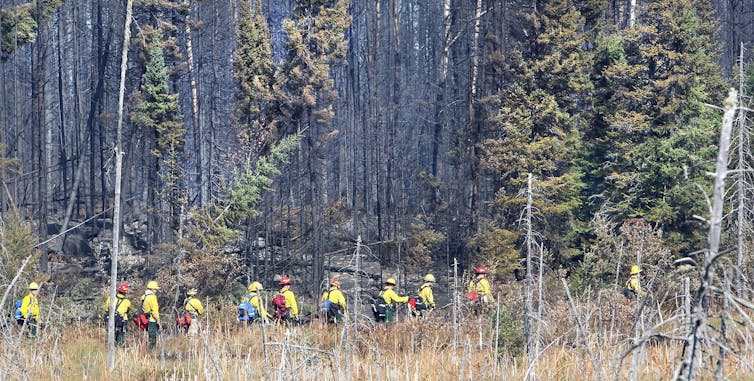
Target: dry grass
x=402, y=351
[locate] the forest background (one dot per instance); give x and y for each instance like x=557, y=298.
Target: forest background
x=414, y=125
x=542, y=139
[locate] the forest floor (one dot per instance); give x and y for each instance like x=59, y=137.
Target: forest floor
x=407, y=350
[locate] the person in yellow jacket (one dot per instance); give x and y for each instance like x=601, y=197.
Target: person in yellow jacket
x=633, y=284
x=333, y=303
x=479, y=290
x=151, y=308
x=425, y=292
x=391, y=298
x=256, y=301
x=194, y=308
x=122, y=308
x=30, y=309
x=291, y=307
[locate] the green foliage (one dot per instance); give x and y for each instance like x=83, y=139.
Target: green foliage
x=315, y=40
x=617, y=249
x=422, y=240
x=538, y=118
x=257, y=178
x=511, y=334
x=17, y=241
x=254, y=68
x=209, y=230
x=654, y=140
x=497, y=247
x=18, y=25
x=157, y=110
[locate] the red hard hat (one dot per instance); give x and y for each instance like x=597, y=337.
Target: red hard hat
x=481, y=270
x=123, y=288
x=285, y=280
x=335, y=282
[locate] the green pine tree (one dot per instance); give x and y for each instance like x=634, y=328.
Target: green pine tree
x=254, y=71
x=537, y=125
x=653, y=138
x=157, y=110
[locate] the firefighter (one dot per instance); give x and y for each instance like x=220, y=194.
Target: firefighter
x=151, y=307
x=333, y=303
x=391, y=298
x=122, y=308
x=30, y=310
x=479, y=290
x=633, y=284
x=195, y=309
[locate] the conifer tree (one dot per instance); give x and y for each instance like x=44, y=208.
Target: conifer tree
x=536, y=124
x=654, y=139
x=255, y=74
x=157, y=110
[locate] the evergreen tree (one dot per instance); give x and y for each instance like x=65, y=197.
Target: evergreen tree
x=255, y=74
x=537, y=125
x=157, y=110
x=654, y=139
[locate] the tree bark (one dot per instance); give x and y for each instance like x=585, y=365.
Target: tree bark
x=116, y=197
x=198, y=132
x=40, y=134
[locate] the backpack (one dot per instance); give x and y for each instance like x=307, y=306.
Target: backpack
x=379, y=308
x=141, y=320
x=332, y=309
x=247, y=312
x=473, y=295
x=183, y=320
x=420, y=304
x=278, y=302
x=119, y=322
x=17, y=310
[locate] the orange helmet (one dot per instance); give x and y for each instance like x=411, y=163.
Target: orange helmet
x=335, y=282
x=123, y=288
x=285, y=280
x=481, y=270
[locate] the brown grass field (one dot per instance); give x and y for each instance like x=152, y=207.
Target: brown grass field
x=405, y=350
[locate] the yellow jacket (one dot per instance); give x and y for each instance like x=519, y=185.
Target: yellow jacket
x=482, y=287
x=122, y=306
x=256, y=301
x=391, y=297
x=150, y=306
x=334, y=295
x=634, y=284
x=30, y=307
x=290, y=302
x=194, y=307
x=425, y=292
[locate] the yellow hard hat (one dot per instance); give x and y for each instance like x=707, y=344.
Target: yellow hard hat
x=191, y=291
x=390, y=281
x=635, y=269
x=429, y=278
x=33, y=286
x=152, y=285
x=255, y=286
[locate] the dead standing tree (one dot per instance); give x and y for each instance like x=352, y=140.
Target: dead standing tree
x=699, y=335
x=116, y=199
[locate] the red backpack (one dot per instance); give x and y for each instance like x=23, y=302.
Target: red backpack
x=279, y=303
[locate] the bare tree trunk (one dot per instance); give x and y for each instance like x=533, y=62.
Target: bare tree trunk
x=528, y=284
x=685, y=370
x=198, y=133
x=116, y=197
x=40, y=134
x=743, y=225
